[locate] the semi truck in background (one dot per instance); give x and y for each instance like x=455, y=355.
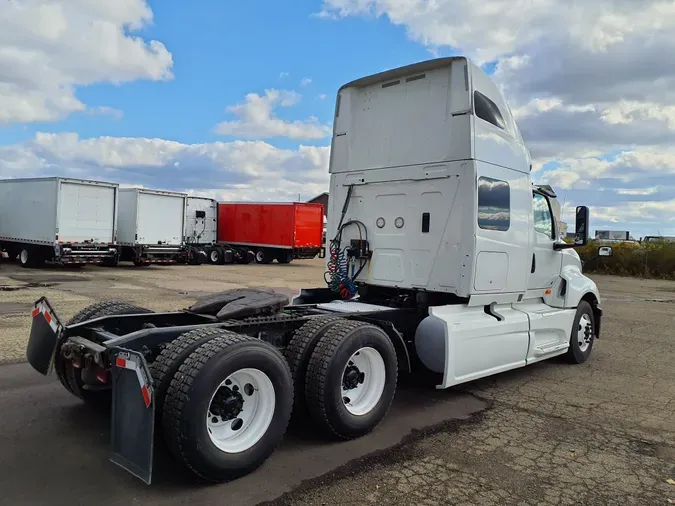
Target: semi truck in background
x=242, y=232
x=55, y=219
x=281, y=231
x=201, y=229
x=150, y=227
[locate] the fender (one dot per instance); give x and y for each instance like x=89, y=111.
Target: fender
x=577, y=287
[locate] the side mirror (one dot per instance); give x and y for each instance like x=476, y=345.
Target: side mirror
x=605, y=251
x=581, y=231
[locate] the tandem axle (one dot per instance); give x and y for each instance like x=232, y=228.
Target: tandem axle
x=131, y=357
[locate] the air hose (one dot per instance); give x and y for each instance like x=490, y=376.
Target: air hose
x=337, y=275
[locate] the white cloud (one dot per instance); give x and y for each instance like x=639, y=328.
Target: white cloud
x=502, y=28
x=239, y=169
x=306, y=81
x=283, y=75
x=258, y=121
x=49, y=47
x=626, y=167
x=116, y=114
x=636, y=191
x=323, y=96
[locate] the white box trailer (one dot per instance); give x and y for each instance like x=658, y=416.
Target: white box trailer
x=201, y=228
x=151, y=225
x=70, y=221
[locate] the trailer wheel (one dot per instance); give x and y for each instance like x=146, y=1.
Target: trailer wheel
x=228, y=406
x=298, y=353
x=31, y=257
x=263, y=256
x=582, y=335
x=285, y=256
x=351, y=379
x=172, y=356
x=69, y=376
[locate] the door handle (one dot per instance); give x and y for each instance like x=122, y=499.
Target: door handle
x=534, y=263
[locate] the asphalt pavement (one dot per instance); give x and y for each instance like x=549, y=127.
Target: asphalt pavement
x=54, y=449
x=601, y=433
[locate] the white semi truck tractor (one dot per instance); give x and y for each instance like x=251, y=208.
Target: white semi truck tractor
x=442, y=256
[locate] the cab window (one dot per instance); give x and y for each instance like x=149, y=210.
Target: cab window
x=543, y=217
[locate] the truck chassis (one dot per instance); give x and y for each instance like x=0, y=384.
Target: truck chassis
x=143, y=363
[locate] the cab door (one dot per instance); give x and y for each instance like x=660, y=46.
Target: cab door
x=546, y=262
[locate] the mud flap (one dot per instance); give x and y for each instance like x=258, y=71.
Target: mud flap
x=44, y=337
x=133, y=413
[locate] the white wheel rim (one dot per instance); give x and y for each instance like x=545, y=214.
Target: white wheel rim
x=238, y=431
x=260, y=256
x=361, y=398
x=24, y=256
x=584, y=332
x=214, y=256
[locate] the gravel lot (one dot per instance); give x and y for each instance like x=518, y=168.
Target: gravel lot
x=161, y=288
x=600, y=433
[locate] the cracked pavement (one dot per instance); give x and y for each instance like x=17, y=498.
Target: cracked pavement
x=600, y=433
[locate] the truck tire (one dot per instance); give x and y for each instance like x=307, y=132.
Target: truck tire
x=244, y=257
x=142, y=263
x=351, y=379
x=194, y=256
x=31, y=257
x=298, y=353
x=285, y=256
x=247, y=383
x=582, y=335
x=264, y=256
x=68, y=375
x=217, y=256
x=171, y=357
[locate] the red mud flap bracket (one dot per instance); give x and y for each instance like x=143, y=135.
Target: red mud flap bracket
x=133, y=413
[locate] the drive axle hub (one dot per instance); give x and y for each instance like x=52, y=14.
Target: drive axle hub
x=352, y=378
x=227, y=403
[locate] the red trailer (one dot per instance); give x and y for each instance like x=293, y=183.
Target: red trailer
x=284, y=231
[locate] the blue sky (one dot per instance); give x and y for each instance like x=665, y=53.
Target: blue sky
x=223, y=50
x=146, y=103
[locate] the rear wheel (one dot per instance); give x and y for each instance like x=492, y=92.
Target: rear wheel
x=194, y=256
x=285, y=256
x=70, y=376
x=244, y=257
x=299, y=351
x=217, y=256
x=172, y=356
x=351, y=379
x=228, y=406
x=264, y=256
x=31, y=257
